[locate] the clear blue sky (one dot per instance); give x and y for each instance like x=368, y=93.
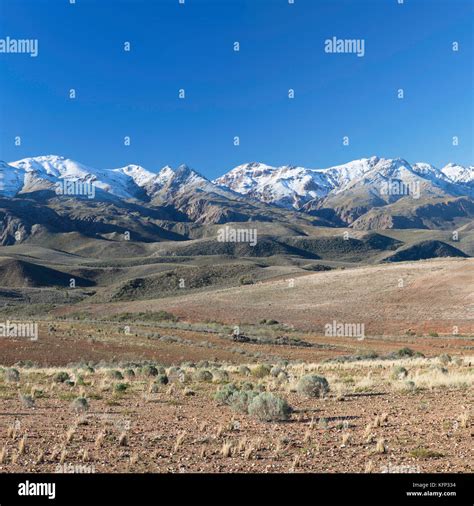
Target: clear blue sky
x=237, y=93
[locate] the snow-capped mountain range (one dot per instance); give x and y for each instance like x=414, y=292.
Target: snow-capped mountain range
x=45, y=172
x=290, y=186
x=285, y=186
x=166, y=203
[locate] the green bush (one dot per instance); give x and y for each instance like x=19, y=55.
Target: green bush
x=260, y=371
x=405, y=352
x=399, y=373
x=27, y=400
x=246, y=280
x=445, y=358
x=12, y=375
x=244, y=370
x=116, y=375
x=80, y=380
x=239, y=401
x=225, y=392
x=61, y=377
x=121, y=387
x=283, y=376
x=203, y=375
x=275, y=371
x=161, y=379
x=313, y=386
x=268, y=407
x=80, y=405
x=149, y=370
x=219, y=376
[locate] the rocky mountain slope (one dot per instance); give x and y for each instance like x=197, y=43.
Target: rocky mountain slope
x=57, y=194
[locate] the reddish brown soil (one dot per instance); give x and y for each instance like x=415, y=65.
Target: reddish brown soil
x=72, y=342
x=436, y=296
x=419, y=420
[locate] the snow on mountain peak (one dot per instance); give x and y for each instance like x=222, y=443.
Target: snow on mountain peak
x=458, y=173
x=286, y=186
x=290, y=186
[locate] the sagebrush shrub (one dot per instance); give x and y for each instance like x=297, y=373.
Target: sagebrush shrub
x=116, y=375
x=27, y=400
x=313, y=386
x=162, y=379
x=445, y=358
x=239, y=401
x=149, y=370
x=12, y=375
x=260, y=371
x=283, y=376
x=399, y=373
x=225, y=393
x=275, y=371
x=80, y=404
x=219, y=376
x=121, y=387
x=268, y=407
x=203, y=375
x=244, y=370
x=61, y=377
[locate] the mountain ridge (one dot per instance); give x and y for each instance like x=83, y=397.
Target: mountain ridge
x=367, y=193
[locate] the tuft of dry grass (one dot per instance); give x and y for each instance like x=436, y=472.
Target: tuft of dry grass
x=380, y=447
x=369, y=467
x=54, y=454
x=295, y=464
x=40, y=457
x=99, y=440
x=220, y=431
x=35, y=391
x=346, y=439
x=123, y=439
x=280, y=446
x=241, y=444
x=307, y=436
x=464, y=420
x=133, y=459
x=3, y=455
x=22, y=445
x=249, y=451
x=226, y=449
x=11, y=432
x=179, y=440
x=368, y=429
x=15, y=457
x=70, y=434
x=63, y=456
